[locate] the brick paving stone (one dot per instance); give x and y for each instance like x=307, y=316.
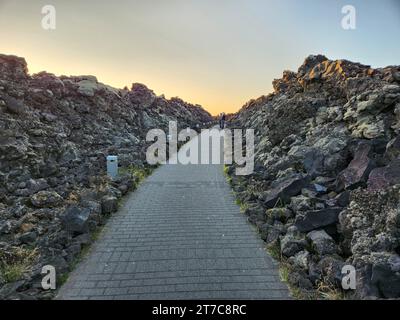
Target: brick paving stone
x=179, y=236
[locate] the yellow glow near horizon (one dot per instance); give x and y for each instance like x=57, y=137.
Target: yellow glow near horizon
x=218, y=54
x=209, y=100
x=172, y=53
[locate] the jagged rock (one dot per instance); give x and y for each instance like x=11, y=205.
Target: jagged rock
x=76, y=219
x=255, y=213
x=386, y=277
x=109, y=204
x=310, y=62
x=55, y=135
x=321, y=242
x=301, y=259
x=111, y=191
x=364, y=230
x=46, y=199
x=314, y=272
x=358, y=170
x=279, y=214
x=340, y=120
x=343, y=199
x=33, y=186
x=300, y=280
x=141, y=95
x=280, y=85
x=292, y=243
x=331, y=269
x=124, y=183
x=94, y=206
x=315, y=219
x=381, y=178
x=367, y=111
x=61, y=129
x=301, y=203
x=284, y=191
x=270, y=233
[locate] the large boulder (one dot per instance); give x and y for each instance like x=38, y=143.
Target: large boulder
x=76, y=220
x=378, y=275
x=299, y=279
x=330, y=267
x=109, y=204
x=386, y=277
x=321, y=242
x=315, y=219
x=301, y=203
x=270, y=233
x=278, y=214
x=46, y=199
x=310, y=63
x=292, y=243
x=381, y=178
x=255, y=213
x=284, y=191
x=358, y=170
x=301, y=260
x=342, y=199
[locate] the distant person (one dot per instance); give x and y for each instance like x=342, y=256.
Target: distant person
x=222, y=121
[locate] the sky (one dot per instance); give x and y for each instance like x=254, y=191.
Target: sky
x=217, y=53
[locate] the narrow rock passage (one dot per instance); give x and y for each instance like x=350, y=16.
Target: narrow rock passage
x=179, y=236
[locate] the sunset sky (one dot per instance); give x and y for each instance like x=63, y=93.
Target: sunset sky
x=218, y=53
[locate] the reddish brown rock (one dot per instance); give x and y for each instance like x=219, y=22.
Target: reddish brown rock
x=284, y=191
x=358, y=170
x=381, y=178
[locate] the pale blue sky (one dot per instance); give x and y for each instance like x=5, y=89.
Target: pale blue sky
x=219, y=53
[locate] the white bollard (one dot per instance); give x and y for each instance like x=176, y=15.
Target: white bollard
x=112, y=166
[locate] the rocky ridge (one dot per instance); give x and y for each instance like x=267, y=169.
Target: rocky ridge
x=326, y=187
x=55, y=134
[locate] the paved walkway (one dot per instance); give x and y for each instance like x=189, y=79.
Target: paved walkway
x=179, y=236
